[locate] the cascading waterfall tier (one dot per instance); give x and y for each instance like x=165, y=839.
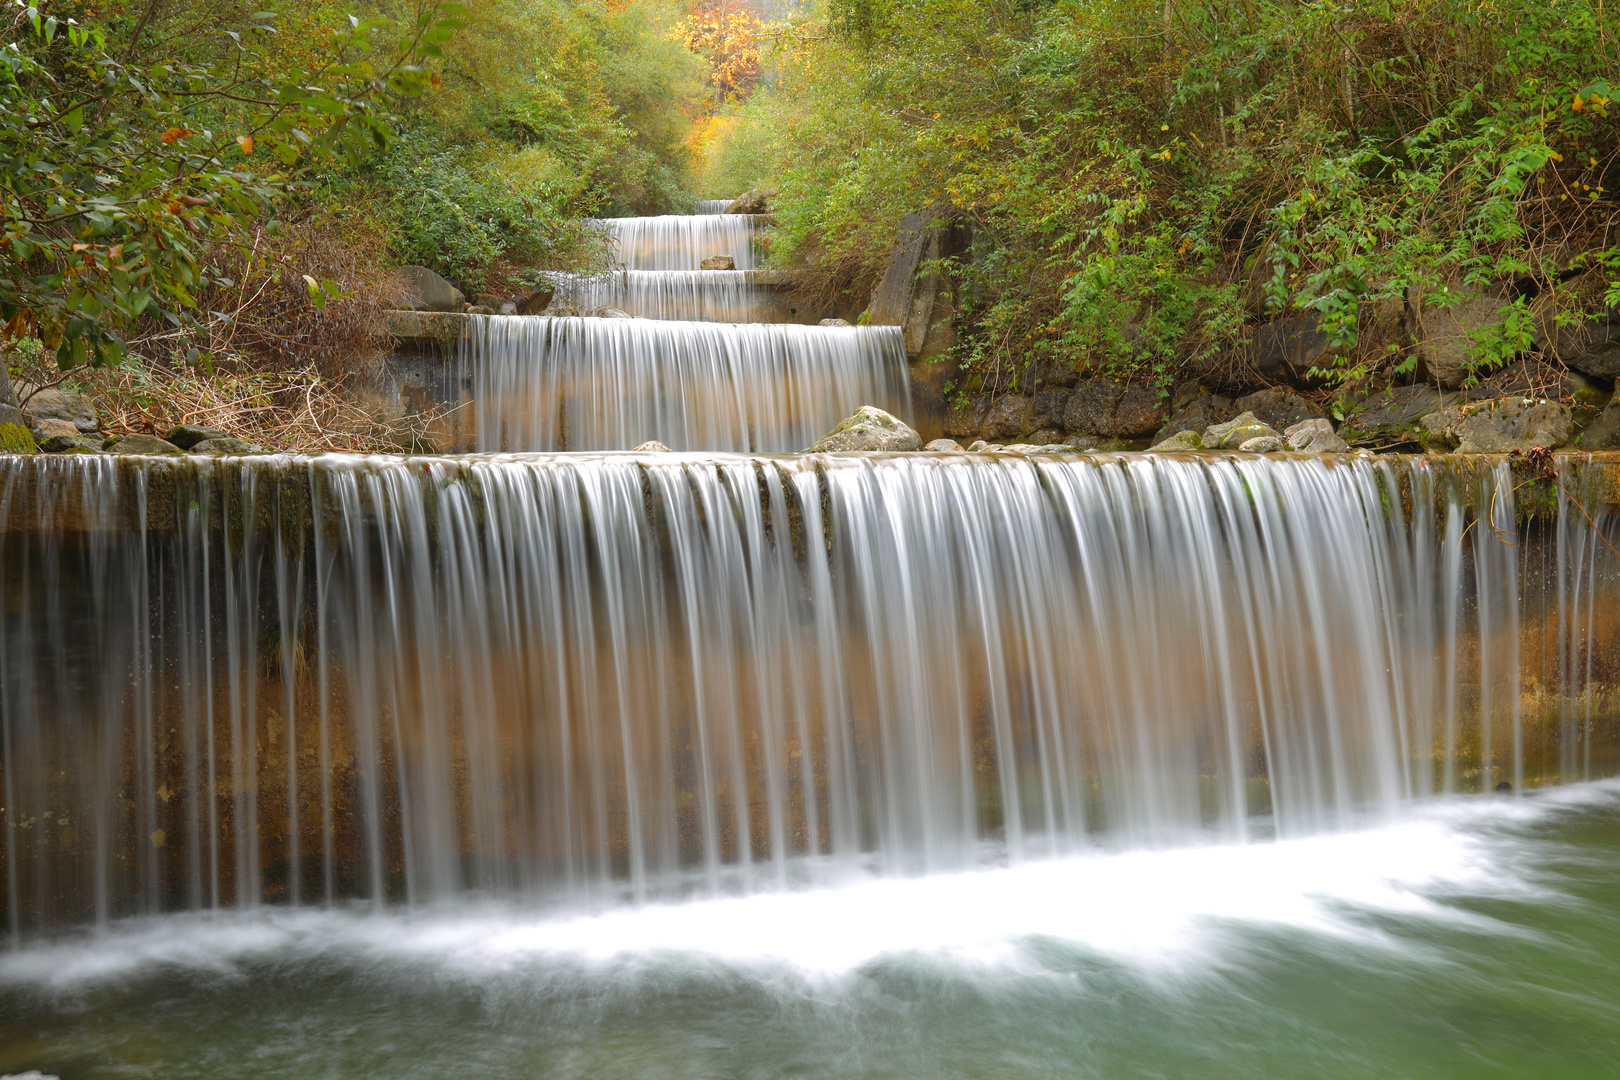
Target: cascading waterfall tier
x=712, y=206
x=723, y=296
x=597, y=679
x=545, y=383
x=683, y=241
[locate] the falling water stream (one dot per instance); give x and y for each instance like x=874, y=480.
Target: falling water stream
x=736, y=764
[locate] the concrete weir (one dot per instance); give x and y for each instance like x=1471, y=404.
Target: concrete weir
x=605, y=677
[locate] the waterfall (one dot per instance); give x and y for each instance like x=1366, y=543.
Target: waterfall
x=551, y=383
x=724, y=296
x=712, y=206
x=683, y=241
x=605, y=678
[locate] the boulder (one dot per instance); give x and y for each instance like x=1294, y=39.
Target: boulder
x=1288, y=349
x=423, y=290
x=1278, y=407
x=1263, y=444
x=489, y=300
x=48, y=429
x=1444, y=337
x=1234, y=433
x=833, y=322
x=76, y=409
x=1315, y=437
x=1045, y=437
x=979, y=446
x=538, y=298
x=1498, y=426
x=653, y=446
x=718, y=262
x=1392, y=417
x=944, y=446
x=1007, y=415
x=1046, y=407
x=1590, y=342
x=227, y=445
x=478, y=309
x=1104, y=407
x=749, y=202
x=1603, y=433
x=185, y=436
x=135, y=443
x=869, y=428
x=70, y=444
x=1197, y=414
x=507, y=308
x=608, y=313
x=1180, y=442
x=965, y=422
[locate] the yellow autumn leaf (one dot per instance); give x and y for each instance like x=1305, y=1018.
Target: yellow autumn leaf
x=1553, y=155
x=246, y=143
x=1577, y=105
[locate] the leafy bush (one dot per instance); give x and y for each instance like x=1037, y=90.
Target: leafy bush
x=1144, y=183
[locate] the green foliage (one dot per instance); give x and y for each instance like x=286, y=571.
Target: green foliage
x=115, y=176
x=1145, y=183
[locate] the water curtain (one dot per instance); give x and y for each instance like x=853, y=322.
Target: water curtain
x=603, y=679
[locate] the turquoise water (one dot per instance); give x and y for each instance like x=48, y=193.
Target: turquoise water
x=1480, y=938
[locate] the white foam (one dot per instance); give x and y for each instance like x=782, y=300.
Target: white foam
x=1152, y=908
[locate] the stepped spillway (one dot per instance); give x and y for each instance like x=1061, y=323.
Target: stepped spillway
x=611, y=384
x=683, y=241
x=608, y=678
x=723, y=296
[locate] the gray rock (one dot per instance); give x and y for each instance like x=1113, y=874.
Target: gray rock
x=489, y=300
x=1315, y=437
x=1046, y=407
x=1392, y=417
x=538, y=298
x=833, y=322
x=1008, y=415
x=1278, y=407
x=70, y=444
x=1104, y=407
x=869, y=428
x=965, y=422
x=76, y=409
x=1045, y=437
x=1603, y=433
x=978, y=446
x=608, y=313
x=423, y=290
x=1498, y=426
x=1197, y=414
x=478, y=309
x=1445, y=338
x=1234, y=433
x=50, y=428
x=136, y=443
x=1289, y=348
x=750, y=202
x=185, y=436
x=1592, y=347
x=718, y=262
x=1263, y=444
x=653, y=446
x=1179, y=443
x=943, y=446
x=230, y=445
x=508, y=308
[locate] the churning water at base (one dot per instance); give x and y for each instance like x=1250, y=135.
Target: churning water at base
x=618, y=678
x=1477, y=938
x=543, y=383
